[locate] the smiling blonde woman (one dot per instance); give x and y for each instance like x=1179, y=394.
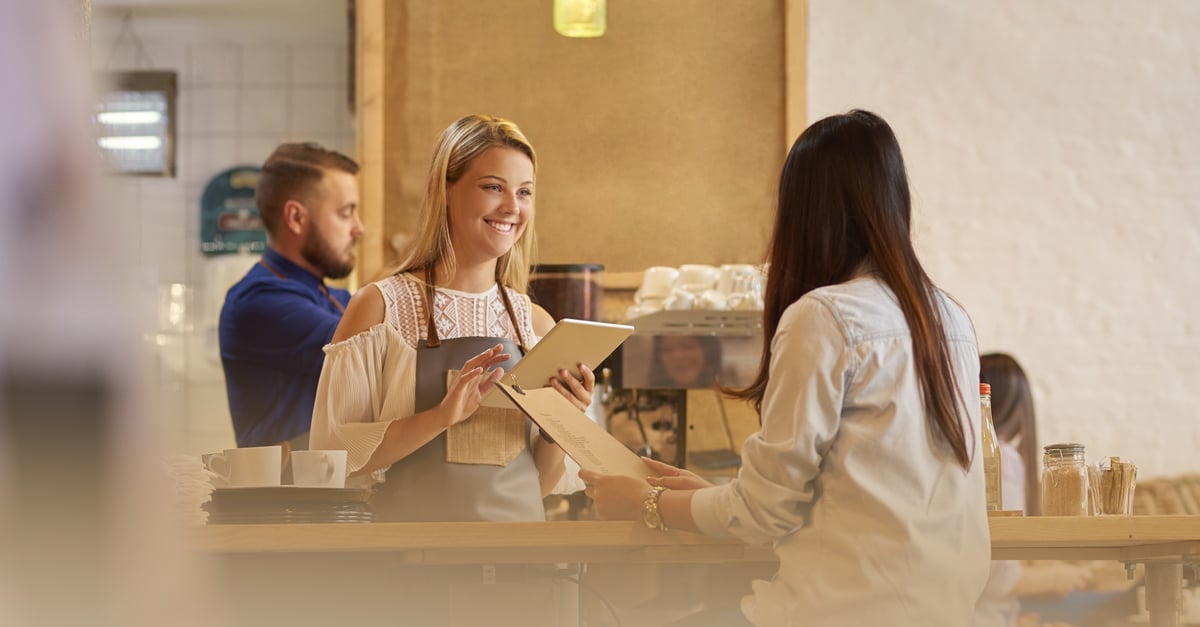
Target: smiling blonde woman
x=417, y=351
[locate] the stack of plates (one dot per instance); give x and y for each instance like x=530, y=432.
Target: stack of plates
x=192, y=488
x=289, y=504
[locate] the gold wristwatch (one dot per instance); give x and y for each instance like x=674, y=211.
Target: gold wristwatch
x=650, y=513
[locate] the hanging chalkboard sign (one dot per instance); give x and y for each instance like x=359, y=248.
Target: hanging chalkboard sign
x=229, y=219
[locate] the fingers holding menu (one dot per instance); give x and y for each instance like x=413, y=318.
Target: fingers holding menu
x=674, y=478
x=616, y=497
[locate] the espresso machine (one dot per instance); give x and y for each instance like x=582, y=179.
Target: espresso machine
x=660, y=395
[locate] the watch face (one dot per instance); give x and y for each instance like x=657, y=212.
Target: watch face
x=650, y=518
x=650, y=514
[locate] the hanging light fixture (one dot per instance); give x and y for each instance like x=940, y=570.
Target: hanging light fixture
x=579, y=18
x=135, y=113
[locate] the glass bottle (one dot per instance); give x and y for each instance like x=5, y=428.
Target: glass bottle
x=1064, y=480
x=992, y=474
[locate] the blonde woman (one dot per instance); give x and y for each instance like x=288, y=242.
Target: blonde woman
x=389, y=393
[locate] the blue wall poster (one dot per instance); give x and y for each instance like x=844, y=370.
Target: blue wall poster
x=229, y=219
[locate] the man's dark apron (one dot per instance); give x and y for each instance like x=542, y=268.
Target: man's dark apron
x=424, y=486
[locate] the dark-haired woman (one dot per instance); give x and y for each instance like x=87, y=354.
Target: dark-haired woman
x=1044, y=587
x=866, y=474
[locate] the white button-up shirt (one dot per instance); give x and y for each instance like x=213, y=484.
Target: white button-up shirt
x=873, y=519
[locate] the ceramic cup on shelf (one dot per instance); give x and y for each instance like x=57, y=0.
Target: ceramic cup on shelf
x=251, y=467
x=319, y=469
x=735, y=276
x=679, y=300
x=657, y=282
x=696, y=277
x=711, y=300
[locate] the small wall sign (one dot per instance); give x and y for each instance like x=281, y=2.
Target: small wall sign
x=229, y=219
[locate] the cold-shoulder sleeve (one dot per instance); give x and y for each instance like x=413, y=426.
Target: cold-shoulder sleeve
x=367, y=381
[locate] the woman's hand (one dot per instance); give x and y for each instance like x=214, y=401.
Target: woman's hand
x=616, y=497
x=578, y=390
x=488, y=359
x=476, y=379
x=674, y=478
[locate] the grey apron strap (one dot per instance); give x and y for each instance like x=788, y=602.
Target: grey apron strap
x=430, y=292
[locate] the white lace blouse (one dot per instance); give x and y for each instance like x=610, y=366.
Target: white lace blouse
x=369, y=380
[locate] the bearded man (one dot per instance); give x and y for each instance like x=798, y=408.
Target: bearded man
x=277, y=319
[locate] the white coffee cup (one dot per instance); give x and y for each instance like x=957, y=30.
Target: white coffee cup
x=679, y=300
x=252, y=467
x=728, y=279
x=319, y=469
x=741, y=301
x=657, y=281
x=696, y=277
x=213, y=478
x=711, y=300
x=649, y=304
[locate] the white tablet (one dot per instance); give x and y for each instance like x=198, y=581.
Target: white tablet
x=570, y=343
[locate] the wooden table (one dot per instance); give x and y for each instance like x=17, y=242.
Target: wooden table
x=1163, y=543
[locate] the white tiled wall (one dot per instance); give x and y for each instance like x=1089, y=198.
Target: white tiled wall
x=249, y=79
x=1054, y=157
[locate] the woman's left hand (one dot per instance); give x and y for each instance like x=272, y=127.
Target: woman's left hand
x=578, y=390
x=674, y=478
x=616, y=497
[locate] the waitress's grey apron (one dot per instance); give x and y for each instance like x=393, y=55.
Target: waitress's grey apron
x=424, y=486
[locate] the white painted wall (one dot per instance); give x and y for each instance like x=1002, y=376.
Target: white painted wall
x=252, y=74
x=1054, y=153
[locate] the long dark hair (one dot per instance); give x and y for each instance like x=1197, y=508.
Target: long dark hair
x=1013, y=416
x=844, y=203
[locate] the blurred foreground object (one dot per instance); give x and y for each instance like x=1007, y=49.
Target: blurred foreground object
x=85, y=535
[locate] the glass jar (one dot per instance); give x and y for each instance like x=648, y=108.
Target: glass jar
x=568, y=290
x=1064, y=480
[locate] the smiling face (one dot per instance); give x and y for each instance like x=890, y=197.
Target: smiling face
x=490, y=205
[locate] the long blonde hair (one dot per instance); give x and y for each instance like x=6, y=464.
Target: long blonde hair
x=467, y=138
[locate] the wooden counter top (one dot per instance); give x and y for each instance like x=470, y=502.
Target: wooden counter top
x=532, y=542
x=1161, y=542
x=1042, y=537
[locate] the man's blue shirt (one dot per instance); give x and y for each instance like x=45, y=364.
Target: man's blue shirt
x=272, y=331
